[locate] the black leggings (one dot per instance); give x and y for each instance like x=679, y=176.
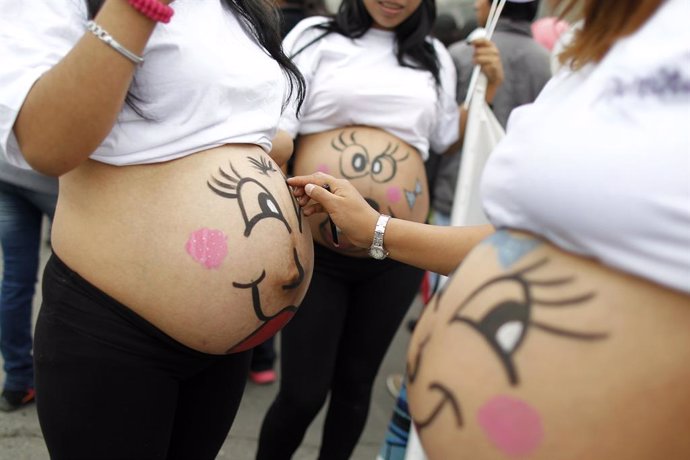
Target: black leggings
x=336, y=343
x=110, y=385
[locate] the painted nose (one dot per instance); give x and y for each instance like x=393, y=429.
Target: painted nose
x=298, y=277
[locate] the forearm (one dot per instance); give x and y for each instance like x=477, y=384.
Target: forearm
x=73, y=106
x=432, y=247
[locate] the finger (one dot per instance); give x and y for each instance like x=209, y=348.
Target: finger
x=313, y=208
x=298, y=192
x=303, y=200
x=319, y=194
x=317, y=178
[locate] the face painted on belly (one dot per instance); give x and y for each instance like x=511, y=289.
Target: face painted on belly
x=356, y=162
x=258, y=206
x=501, y=312
x=377, y=175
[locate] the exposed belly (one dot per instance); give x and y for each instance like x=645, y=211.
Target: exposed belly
x=532, y=352
x=211, y=248
x=388, y=172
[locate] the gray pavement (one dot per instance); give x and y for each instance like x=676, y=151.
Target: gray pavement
x=21, y=439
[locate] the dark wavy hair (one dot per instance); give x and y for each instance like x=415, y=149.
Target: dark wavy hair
x=412, y=47
x=262, y=20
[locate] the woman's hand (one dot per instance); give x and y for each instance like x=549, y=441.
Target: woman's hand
x=486, y=55
x=344, y=204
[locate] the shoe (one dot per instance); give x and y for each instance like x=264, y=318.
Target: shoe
x=263, y=377
x=394, y=384
x=13, y=400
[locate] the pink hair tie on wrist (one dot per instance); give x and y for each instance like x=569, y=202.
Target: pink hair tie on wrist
x=153, y=9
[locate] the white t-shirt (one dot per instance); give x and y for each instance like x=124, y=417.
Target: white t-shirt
x=359, y=82
x=599, y=164
x=204, y=83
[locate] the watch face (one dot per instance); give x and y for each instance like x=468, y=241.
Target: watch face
x=377, y=253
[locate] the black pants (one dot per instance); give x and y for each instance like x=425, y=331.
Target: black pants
x=336, y=343
x=110, y=385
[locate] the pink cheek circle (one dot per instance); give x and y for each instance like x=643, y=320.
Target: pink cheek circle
x=512, y=425
x=393, y=194
x=208, y=247
x=324, y=169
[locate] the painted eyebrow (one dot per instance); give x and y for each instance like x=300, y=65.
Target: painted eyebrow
x=263, y=165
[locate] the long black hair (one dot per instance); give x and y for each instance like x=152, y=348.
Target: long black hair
x=412, y=47
x=262, y=20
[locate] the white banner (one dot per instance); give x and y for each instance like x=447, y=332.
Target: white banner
x=482, y=133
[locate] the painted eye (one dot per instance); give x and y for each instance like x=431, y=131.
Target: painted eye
x=506, y=323
x=359, y=162
x=383, y=168
x=257, y=204
x=504, y=326
x=354, y=161
x=267, y=204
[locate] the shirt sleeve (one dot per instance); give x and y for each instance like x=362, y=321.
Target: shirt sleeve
x=298, y=46
x=446, y=129
x=34, y=36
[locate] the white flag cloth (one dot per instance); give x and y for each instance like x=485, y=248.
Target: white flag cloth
x=482, y=133
x=414, y=447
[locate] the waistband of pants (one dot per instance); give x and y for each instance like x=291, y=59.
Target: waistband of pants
x=83, y=304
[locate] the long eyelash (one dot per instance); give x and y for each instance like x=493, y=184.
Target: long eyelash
x=217, y=185
x=388, y=151
x=263, y=165
x=553, y=282
x=532, y=267
x=343, y=143
x=391, y=153
x=572, y=334
x=563, y=302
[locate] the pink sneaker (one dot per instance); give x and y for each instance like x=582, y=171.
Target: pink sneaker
x=263, y=377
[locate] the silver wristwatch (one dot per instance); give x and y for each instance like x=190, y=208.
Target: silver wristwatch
x=376, y=250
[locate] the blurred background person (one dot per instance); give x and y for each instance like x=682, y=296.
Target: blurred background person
x=546, y=31
x=293, y=11
x=526, y=71
x=25, y=198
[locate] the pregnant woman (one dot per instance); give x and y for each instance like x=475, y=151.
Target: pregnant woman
x=564, y=334
x=380, y=97
x=177, y=244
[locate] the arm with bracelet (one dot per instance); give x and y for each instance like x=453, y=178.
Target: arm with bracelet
x=73, y=106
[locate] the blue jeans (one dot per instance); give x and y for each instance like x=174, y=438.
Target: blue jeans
x=21, y=216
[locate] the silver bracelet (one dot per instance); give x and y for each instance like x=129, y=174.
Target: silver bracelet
x=105, y=37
